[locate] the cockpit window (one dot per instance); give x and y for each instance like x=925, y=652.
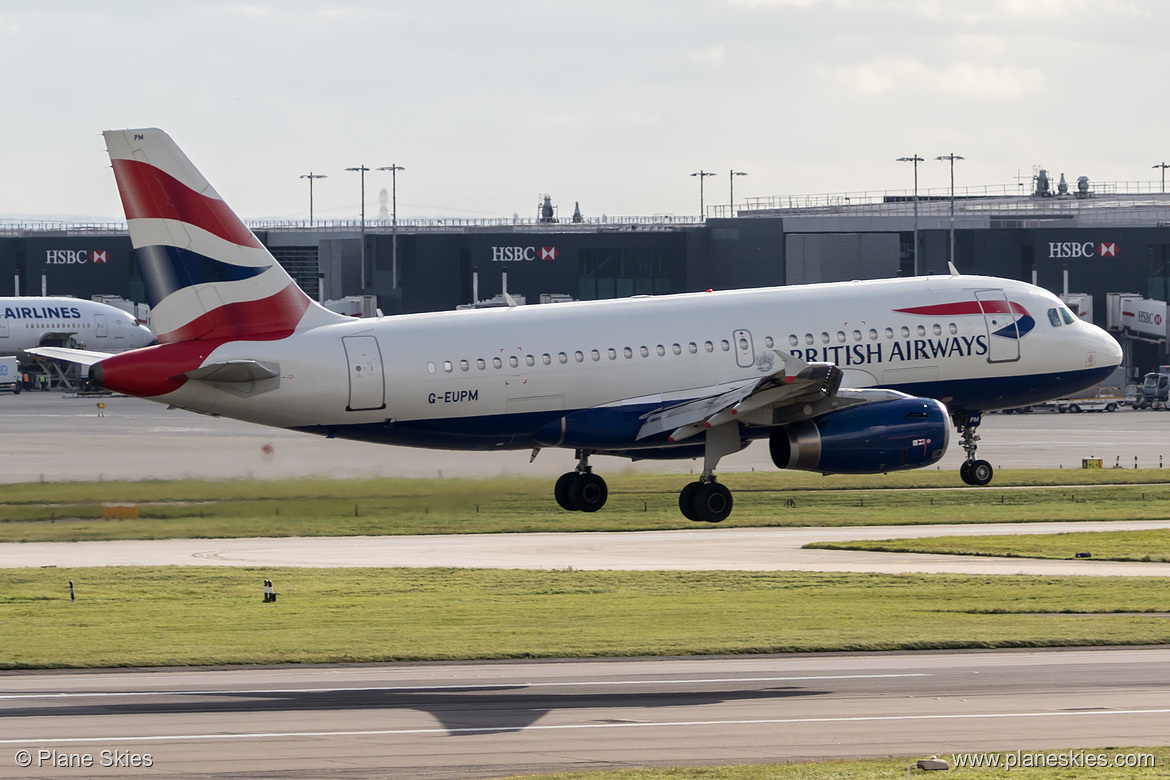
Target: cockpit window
x=1068, y=316
x=1054, y=317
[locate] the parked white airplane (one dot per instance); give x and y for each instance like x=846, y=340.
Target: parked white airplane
x=69, y=322
x=860, y=377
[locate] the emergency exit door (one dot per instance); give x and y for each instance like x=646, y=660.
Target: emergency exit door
x=367, y=382
x=1003, y=327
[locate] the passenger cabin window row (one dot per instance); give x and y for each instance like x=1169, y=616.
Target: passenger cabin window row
x=856, y=335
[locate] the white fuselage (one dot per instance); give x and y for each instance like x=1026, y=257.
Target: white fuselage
x=27, y=322
x=489, y=378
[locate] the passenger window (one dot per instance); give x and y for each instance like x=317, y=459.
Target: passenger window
x=725, y=345
x=611, y=353
x=743, y=345
x=514, y=362
x=693, y=348
x=889, y=333
x=676, y=348
x=595, y=355
x=497, y=363
x=953, y=328
x=921, y=330
x=628, y=352
x=808, y=338
x=937, y=329
x=873, y=334
x=857, y=335
x=661, y=350
x=447, y=366
x=840, y=337
x=768, y=342
x=1054, y=317
x=430, y=368
x=546, y=359
x=464, y=365
x=905, y=332
x=707, y=345
x=644, y=351
x=480, y=364
x=530, y=360
x=793, y=340
x=561, y=356
x=579, y=356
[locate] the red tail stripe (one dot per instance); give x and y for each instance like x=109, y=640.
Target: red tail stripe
x=267, y=319
x=151, y=193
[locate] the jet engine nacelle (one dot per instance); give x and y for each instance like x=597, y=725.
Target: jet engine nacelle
x=903, y=433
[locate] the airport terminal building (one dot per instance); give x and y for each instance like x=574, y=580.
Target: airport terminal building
x=1107, y=249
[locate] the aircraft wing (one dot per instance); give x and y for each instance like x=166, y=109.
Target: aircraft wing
x=84, y=357
x=755, y=402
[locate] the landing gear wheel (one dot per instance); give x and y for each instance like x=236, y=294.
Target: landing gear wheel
x=711, y=502
x=588, y=492
x=979, y=472
x=686, y=501
x=965, y=472
x=561, y=490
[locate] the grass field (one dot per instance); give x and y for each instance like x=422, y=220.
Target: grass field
x=186, y=509
x=895, y=767
x=169, y=616
x=1153, y=545
x=886, y=768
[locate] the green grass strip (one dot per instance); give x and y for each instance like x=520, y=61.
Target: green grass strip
x=887, y=768
x=195, y=509
x=1147, y=546
x=167, y=616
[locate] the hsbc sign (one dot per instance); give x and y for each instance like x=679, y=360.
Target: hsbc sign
x=75, y=256
x=516, y=254
x=1071, y=249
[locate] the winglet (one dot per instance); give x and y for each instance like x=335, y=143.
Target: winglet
x=954, y=271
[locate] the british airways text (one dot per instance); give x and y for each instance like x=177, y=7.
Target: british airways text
x=900, y=351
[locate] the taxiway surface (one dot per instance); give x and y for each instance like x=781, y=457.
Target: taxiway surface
x=491, y=719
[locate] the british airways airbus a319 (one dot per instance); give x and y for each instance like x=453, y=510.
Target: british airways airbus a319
x=857, y=377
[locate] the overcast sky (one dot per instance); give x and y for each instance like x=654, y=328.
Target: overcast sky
x=610, y=103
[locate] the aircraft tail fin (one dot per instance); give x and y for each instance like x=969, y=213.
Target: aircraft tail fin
x=207, y=275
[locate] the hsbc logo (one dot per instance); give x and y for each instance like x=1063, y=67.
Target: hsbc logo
x=516, y=254
x=1072, y=249
x=75, y=256
x=1149, y=318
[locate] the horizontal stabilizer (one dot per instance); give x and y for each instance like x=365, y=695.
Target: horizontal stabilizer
x=82, y=357
x=235, y=371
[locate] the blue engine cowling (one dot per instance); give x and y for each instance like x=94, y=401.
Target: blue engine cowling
x=903, y=433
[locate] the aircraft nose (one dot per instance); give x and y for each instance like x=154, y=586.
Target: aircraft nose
x=1107, y=349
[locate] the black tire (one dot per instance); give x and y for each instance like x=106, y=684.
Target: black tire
x=965, y=472
x=1111, y=407
x=712, y=503
x=686, y=501
x=588, y=492
x=561, y=490
x=980, y=472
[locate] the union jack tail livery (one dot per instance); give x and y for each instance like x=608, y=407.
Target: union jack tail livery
x=207, y=276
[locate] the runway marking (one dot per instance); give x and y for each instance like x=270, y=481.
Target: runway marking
x=570, y=727
x=469, y=686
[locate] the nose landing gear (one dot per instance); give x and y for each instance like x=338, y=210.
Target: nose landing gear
x=973, y=471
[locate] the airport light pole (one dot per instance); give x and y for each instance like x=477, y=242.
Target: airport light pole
x=394, y=169
x=310, y=176
x=1163, y=166
x=702, y=175
x=362, y=169
x=733, y=175
x=915, y=159
x=952, y=157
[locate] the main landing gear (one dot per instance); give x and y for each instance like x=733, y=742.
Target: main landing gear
x=581, y=490
x=973, y=471
x=704, y=501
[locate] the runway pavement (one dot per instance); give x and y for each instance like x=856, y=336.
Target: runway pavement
x=492, y=719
